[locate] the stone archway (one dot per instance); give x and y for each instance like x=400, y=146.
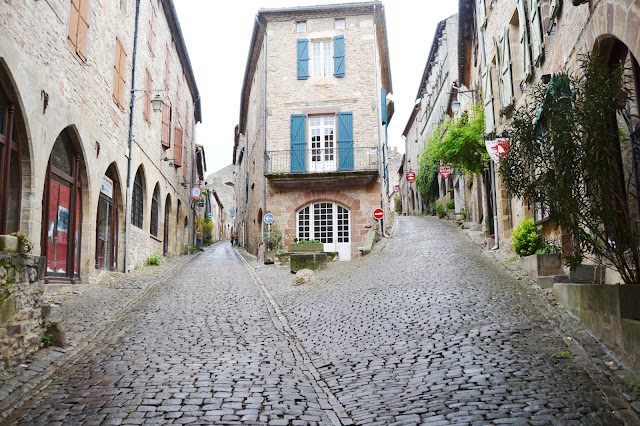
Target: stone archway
x=15, y=158
x=63, y=208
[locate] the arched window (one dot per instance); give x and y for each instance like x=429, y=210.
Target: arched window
x=10, y=161
x=137, y=202
x=328, y=223
x=63, y=210
x=154, y=212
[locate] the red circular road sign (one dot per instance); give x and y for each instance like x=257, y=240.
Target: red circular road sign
x=378, y=214
x=411, y=177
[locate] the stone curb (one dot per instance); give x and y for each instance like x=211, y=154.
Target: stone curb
x=58, y=360
x=620, y=390
x=337, y=413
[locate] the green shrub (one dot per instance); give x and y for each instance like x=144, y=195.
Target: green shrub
x=526, y=238
x=451, y=204
x=549, y=247
x=154, y=259
x=440, y=210
x=397, y=204
x=297, y=241
x=273, y=238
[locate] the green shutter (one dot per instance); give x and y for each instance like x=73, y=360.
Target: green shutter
x=506, y=77
x=554, y=8
x=383, y=105
x=524, y=40
x=482, y=13
x=298, y=143
x=303, y=59
x=345, y=141
x=497, y=47
x=338, y=56
x=535, y=26
x=487, y=98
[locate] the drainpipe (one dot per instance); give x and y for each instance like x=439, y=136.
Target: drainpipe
x=193, y=151
x=492, y=168
x=377, y=94
x=127, y=213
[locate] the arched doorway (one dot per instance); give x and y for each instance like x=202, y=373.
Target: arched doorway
x=326, y=222
x=107, y=221
x=12, y=178
x=62, y=210
x=165, y=233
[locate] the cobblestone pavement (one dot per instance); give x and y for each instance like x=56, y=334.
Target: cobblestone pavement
x=430, y=330
x=203, y=347
x=427, y=329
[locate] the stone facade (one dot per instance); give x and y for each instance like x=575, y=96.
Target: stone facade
x=57, y=91
x=273, y=93
x=21, y=288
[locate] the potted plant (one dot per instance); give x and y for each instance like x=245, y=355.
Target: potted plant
x=460, y=215
x=273, y=242
x=440, y=210
x=451, y=207
x=538, y=258
x=305, y=246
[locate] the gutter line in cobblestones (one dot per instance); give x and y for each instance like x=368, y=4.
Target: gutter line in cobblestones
x=337, y=413
x=35, y=384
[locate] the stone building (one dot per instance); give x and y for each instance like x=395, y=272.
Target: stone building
x=311, y=145
x=505, y=48
x=222, y=183
x=96, y=181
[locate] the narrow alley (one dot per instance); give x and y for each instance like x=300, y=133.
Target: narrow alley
x=427, y=329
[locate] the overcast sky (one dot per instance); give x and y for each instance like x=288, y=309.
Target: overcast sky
x=218, y=36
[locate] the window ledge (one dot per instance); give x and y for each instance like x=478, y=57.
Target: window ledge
x=153, y=237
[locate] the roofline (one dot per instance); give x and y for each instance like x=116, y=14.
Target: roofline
x=257, y=38
x=412, y=117
x=434, y=49
x=181, y=48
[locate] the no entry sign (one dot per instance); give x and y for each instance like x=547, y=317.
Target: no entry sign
x=445, y=171
x=378, y=214
x=411, y=177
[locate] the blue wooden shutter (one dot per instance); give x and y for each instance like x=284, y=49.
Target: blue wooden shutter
x=303, y=59
x=298, y=143
x=338, y=56
x=345, y=140
x=383, y=105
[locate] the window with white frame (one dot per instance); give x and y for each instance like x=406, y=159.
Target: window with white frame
x=321, y=58
x=323, y=221
x=322, y=133
x=301, y=26
x=339, y=24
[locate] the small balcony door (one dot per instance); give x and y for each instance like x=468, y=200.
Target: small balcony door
x=323, y=153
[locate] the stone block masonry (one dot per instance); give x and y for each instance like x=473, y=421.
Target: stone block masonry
x=21, y=289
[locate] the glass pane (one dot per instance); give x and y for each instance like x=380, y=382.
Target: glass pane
x=62, y=154
x=76, y=254
x=103, y=249
x=3, y=113
x=58, y=227
x=13, y=210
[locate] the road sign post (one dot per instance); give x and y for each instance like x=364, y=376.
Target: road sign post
x=268, y=219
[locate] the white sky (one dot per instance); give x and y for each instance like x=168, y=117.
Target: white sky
x=218, y=34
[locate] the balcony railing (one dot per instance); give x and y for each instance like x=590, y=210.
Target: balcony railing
x=321, y=160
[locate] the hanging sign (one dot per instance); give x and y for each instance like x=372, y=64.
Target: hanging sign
x=411, y=177
x=107, y=187
x=396, y=188
x=497, y=149
x=445, y=171
x=196, y=192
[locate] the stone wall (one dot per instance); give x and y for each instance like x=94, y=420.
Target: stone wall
x=38, y=60
x=21, y=289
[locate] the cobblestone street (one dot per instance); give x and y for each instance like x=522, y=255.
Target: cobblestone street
x=427, y=329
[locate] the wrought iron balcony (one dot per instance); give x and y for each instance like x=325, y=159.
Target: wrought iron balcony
x=342, y=166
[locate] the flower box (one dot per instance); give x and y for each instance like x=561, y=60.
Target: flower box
x=306, y=247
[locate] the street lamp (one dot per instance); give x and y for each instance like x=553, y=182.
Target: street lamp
x=156, y=103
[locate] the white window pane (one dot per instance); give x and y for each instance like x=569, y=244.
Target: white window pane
x=301, y=27
x=339, y=24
